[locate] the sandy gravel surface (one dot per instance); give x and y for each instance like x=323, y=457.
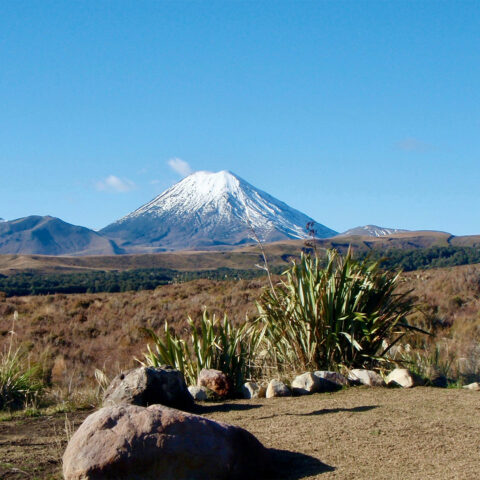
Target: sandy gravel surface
x=360, y=434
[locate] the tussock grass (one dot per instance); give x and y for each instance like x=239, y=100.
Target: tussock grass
x=21, y=381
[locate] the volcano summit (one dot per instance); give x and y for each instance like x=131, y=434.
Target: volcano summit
x=208, y=210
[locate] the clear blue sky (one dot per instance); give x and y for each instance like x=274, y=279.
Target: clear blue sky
x=352, y=112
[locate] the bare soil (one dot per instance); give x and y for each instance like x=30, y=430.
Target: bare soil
x=359, y=433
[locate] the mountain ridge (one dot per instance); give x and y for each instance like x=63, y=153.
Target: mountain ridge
x=47, y=235
x=372, y=231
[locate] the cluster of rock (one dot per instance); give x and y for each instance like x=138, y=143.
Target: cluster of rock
x=144, y=430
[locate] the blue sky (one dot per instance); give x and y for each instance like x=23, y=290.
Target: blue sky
x=352, y=112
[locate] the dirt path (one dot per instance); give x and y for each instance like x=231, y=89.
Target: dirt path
x=360, y=433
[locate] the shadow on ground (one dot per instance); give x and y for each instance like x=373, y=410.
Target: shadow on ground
x=324, y=411
x=293, y=465
x=222, y=407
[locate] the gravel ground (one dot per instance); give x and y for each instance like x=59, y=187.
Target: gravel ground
x=358, y=433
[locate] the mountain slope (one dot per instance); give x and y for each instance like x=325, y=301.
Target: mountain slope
x=51, y=236
x=209, y=210
x=371, y=231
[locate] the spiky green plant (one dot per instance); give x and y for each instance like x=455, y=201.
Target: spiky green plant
x=339, y=315
x=20, y=380
x=212, y=344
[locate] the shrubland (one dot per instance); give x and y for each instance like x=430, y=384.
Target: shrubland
x=70, y=336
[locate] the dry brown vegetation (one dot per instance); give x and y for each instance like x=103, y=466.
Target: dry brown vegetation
x=449, y=299
x=77, y=333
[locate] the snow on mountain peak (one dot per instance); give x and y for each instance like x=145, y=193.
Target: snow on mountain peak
x=214, y=208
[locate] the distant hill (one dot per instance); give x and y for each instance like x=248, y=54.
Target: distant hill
x=280, y=254
x=371, y=231
x=209, y=211
x=51, y=236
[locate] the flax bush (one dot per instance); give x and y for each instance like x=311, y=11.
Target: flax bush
x=212, y=344
x=333, y=316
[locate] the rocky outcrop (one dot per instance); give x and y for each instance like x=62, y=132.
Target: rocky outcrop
x=148, y=386
x=216, y=381
x=131, y=442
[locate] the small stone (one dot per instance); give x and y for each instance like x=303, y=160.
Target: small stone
x=306, y=383
x=366, y=377
x=331, y=381
x=250, y=390
x=216, y=381
x=435, y=377
x=199, y=394
x=475, y=386
x=404, y=378
x=276, y=388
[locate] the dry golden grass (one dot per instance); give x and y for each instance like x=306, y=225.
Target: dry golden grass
x=78, y=333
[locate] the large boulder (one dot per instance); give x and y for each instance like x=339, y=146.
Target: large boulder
x=216, y=381
x=404, y=378
x=148, y=386
x=276, y=388
x=366, y=377
x=330, y=381
x=306, y=383
x=131, y=442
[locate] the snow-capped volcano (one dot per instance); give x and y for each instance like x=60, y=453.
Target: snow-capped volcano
x=209, y=209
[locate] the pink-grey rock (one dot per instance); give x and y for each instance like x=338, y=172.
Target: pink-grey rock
x=331, y=381
x=128, y=442
x=276, y=388
x=306, y=383
x=216, y=381
x=366, y=377
x=149, y=386
x=404, y=378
